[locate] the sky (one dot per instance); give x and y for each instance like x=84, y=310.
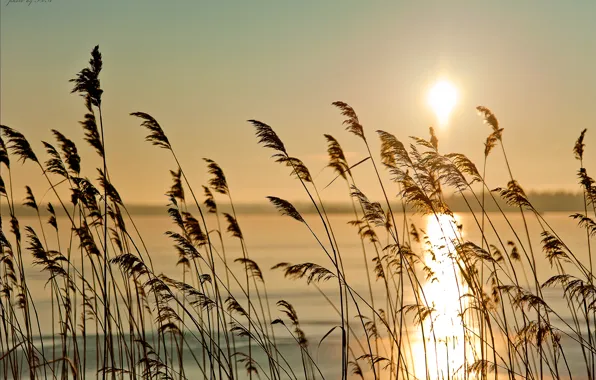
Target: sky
x=202, y=68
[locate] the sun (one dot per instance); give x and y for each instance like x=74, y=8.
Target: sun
x=442, y=98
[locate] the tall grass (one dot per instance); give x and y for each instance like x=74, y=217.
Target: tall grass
x=114, y=315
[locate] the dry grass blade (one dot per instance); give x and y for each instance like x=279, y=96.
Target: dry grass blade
x=348, y=170
x=553, y=248
x=52, y=219
x=289, y=310
x=337, y=159
x=588, y=185
x=433, y=138
x=69, y=150
x=54, y=164
x=193, y=229
x=491, y=142
x=514, y=195
x=356, y=370
x=351, y=121
x=177, y=190
x=286, y=208
x=578, y=148
x=393, y=151
x=233, y=226
x=4, y=153
x=218, y=179
x=89, y=124
x=210, y=201
x=87, y=80
x=490, y=119
x=156, y=135
x=298, y=168
x=268, y=137
x=18, y=144
x=30, y=199
x=110, y=190
x=586, y=222
x=311, y=271
x=251, y=267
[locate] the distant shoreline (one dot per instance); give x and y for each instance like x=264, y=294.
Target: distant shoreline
x=543, y=202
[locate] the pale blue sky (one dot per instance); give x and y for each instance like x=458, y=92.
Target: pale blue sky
x=201, y=68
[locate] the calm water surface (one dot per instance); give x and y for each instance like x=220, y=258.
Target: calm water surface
x=272, y=239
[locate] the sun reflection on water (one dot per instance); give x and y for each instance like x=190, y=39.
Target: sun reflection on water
x=449, y=348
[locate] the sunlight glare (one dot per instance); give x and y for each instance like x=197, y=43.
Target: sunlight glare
x=442, y=98
x=446, y=351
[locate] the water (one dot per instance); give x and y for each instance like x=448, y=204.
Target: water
x=271, y=239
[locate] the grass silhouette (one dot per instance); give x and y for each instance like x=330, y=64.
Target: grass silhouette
x=113, y=313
